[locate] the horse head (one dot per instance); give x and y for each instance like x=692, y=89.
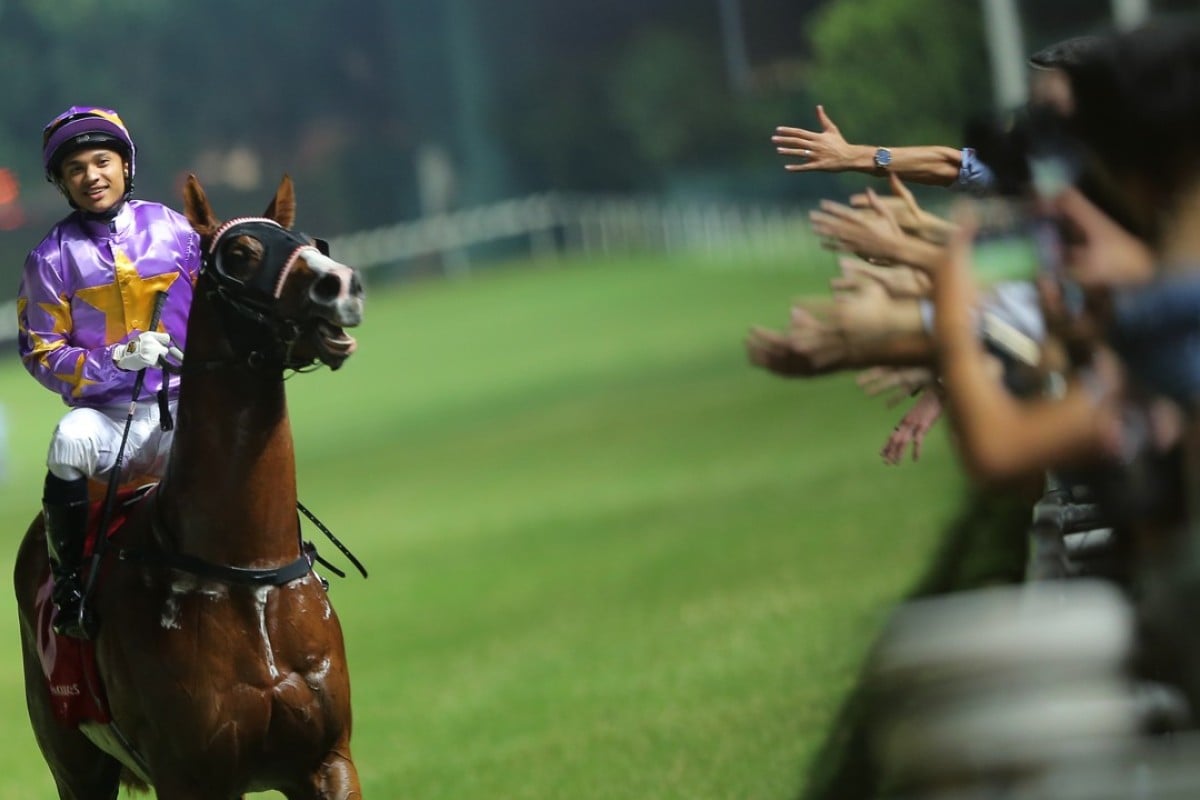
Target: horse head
x=286, y=302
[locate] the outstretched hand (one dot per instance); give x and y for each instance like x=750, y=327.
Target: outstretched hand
x=871, y=233
x=912, y=428
x=809, y=348
x=894, y=384
x=823, y=151
x=900, y=282
x=862, y=305
x=903, y=207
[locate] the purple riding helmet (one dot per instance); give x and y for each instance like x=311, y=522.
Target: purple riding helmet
x=86, y=126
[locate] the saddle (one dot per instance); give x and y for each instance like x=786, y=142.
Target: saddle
x=69, y=665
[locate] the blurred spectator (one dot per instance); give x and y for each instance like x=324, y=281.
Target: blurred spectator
x=1029, y=378
x=1102, y=173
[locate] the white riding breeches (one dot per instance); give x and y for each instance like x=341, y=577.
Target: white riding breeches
x=87, y=439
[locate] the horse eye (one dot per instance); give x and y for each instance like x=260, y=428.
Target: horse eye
x=242, y=257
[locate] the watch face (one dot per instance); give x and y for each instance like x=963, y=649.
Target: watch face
x=883, y=157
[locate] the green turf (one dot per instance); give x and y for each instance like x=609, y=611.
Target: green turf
x=609, y=559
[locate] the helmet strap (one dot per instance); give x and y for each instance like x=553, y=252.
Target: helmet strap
x=62, y=188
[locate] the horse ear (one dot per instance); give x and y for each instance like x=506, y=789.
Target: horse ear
x=283, y=206
x=196, y=208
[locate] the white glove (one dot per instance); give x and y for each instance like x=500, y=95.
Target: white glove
x=147, y=350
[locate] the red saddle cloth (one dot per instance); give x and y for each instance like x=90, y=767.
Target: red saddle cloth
x=69, y=665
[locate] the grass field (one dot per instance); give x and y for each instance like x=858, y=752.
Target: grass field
x=608, y=558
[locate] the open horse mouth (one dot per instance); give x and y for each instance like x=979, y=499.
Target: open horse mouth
x=333, y=344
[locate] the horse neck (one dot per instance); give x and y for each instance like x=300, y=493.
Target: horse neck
x=229, y=495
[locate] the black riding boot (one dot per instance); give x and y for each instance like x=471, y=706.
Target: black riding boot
x=65, y=506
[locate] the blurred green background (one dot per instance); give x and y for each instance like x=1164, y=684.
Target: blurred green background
x=386, y=109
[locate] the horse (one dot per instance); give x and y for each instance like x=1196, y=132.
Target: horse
x=221, y=657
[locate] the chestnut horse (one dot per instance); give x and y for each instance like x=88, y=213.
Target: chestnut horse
x=219, y=651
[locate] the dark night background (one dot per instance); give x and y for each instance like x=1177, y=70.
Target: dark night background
x=674, y=98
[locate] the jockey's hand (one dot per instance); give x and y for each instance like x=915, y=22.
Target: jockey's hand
x=148, y=349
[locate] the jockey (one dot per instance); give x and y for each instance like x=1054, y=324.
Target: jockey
x=84, y=311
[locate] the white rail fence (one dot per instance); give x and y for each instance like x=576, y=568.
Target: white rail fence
x=553, y=225
x=8, y=323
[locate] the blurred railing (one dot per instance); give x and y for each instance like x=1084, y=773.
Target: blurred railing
x=554, y=225
x=551, y=225
x=8, y=323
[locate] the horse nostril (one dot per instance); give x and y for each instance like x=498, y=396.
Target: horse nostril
x=326, y=290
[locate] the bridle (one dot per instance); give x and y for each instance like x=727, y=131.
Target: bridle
x=260, y=337
x=262, y=340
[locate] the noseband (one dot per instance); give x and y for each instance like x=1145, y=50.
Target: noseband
x=258, y=334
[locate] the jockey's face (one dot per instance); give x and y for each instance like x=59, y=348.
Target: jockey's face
x=94, y=178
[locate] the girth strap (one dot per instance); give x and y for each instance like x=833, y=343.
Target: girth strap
x=275, y=576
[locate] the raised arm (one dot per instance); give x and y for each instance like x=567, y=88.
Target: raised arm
x=1000, y=437
x=863, y=326
x=827, y=150
x=872, y=233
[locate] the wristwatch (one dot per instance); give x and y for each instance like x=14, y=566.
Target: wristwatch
x=883, y=158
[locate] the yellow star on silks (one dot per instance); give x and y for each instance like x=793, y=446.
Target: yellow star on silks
x=128, y=302
x=60, y=312
x=40, y=347
x=76, y=379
